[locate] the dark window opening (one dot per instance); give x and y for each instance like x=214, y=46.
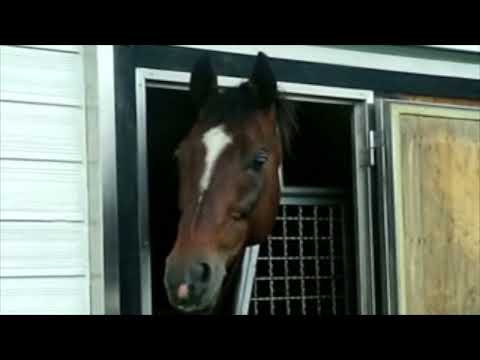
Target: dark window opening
x=169, y=117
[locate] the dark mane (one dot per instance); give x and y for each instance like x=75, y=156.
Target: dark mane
x=234, y=105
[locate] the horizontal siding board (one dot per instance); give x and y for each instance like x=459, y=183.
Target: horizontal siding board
x=32, y=75
x=43, y=249
x=67, y=48
x=44, y=296
x=33, y=190
x=42, y=132
x=44, y=264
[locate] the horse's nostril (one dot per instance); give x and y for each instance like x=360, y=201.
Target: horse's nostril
x=201, y=272
x=206, y=272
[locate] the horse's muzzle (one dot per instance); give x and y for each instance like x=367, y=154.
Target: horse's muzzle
x=192, y=287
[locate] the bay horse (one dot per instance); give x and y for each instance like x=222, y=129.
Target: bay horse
x=229, y=187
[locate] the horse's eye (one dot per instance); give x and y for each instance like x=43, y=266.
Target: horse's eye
x=259, y=160
x=238, y=215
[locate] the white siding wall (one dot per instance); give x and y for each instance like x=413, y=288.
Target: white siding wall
x=44, y=266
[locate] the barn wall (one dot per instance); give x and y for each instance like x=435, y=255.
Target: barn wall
x=457, y=80
x=44, y=262
x=404, y=70
x=411, y=59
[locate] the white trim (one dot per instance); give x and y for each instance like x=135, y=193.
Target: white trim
x=361, y=59
x=467, y=48
x=288, y=87
x=108, y=161
x=143, y=201
x=84, y=184
x=244, y=290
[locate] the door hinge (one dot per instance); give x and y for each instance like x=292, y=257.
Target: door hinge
x=375, y=141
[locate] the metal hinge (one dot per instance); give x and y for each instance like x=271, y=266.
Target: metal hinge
x=375, y=141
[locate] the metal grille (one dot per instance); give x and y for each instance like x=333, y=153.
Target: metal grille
x=300, y=269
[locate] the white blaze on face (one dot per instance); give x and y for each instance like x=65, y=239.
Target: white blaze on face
x=215, y=140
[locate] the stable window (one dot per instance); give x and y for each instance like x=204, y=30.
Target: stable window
x=317, y=259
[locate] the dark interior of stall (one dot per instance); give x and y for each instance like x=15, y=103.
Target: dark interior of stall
x=308, y=266
x=321, y=150
x=321, y=158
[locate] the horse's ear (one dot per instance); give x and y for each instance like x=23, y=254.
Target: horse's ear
x=203, y=81
x=264, y=80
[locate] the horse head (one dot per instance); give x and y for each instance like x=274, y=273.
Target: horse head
x=229, y=180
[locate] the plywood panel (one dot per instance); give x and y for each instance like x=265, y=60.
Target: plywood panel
x=46, y=132
x=43, y=249
x=40, y=76
x=44, y=296
x=439, y=200
x=36, y=190
x=447, y=101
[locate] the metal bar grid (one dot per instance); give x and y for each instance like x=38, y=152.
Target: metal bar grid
x=302, y=298
x=298, y=275
x=332, y=256
x=270, y=283
x=315, y=258
x=285, y=263
x=302, y=260
x=326, y=218
x=296, y=238
x=286, y=278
